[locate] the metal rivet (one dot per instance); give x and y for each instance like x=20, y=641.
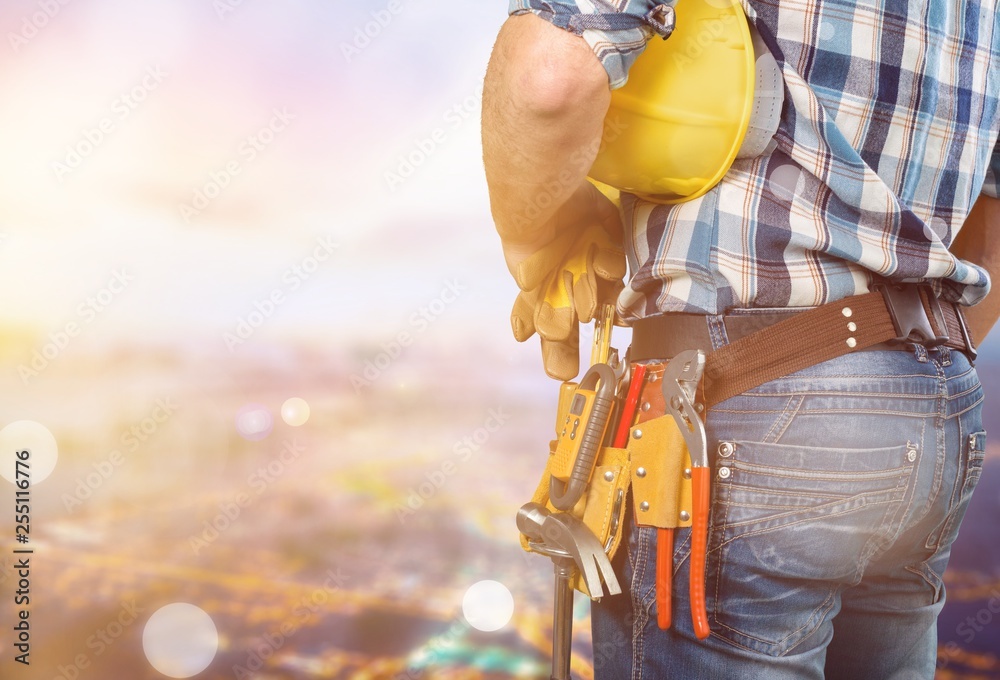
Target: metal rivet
x=563, y=432
x=851, y=342
x=576, y=423
x=567, y=420
x=847, y=311
x=911, y=455
x=852, y=326
x=685, y=516
x=724, y=473
x=687, y=473
x=646, y=406
x=641, y=472
x=726, y=449
x=644, y=506
x=572, y=435
x=609, y=476
x=637, y=434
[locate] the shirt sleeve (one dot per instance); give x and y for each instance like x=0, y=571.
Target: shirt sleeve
x=992, y=185
x=617, y=30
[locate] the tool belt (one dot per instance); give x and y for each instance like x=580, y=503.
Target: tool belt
x=766, y=346
x=658, y=482
x=675, y=376
x=655, y=463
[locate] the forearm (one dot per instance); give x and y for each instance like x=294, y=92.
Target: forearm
x=976, y=243
x=544, y=102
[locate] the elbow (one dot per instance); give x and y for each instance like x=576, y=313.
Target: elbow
x=546, y=71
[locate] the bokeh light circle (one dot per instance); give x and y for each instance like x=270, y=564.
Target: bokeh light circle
x=784, y=182
x=488, y=606
x=27, y=435
x=254, y=422
x=295, y=411
x=180, y=640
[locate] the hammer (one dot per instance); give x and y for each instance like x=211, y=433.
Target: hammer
x=570, y=545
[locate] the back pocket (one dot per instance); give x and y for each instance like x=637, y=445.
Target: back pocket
x=791, y=524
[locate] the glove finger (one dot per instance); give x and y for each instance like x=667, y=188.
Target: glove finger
x=556, y=324
x=609, y=263
x=522, y=315
x=585, y=296
x=562, y=359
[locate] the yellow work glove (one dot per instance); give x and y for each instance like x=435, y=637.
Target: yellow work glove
x=562, y=285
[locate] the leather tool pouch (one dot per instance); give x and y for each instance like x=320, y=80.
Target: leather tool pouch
x=661, y=490
x=657, y=447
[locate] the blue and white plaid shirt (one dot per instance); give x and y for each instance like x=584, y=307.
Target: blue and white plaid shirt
x=887, y=137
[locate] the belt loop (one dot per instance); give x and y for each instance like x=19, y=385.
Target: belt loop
x=717, y=330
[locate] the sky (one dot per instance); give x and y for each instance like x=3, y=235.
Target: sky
x=205, y=148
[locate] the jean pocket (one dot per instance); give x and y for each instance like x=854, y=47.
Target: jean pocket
x=791, y=524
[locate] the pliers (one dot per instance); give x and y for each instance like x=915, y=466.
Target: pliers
x=680, y=385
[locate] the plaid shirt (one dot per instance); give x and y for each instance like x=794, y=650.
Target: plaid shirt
x=887, y=137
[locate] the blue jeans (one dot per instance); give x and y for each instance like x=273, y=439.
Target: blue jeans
x=832, y=523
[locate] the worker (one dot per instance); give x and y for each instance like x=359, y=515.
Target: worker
x=838, y=487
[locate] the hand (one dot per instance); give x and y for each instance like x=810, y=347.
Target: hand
x=576, y=265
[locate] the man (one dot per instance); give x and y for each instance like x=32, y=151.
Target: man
x=838, y=489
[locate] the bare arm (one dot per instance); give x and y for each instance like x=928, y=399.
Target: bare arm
x=544, y=101
x=979, y=242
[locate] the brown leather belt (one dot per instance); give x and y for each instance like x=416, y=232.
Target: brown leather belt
x=766, y=346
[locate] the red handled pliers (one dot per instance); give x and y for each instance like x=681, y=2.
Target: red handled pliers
x=681, y=377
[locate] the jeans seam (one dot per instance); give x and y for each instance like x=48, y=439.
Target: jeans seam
x=827, y=476
x=797, y=522
x=966, y=409
x=638, y=610
x=784, y=419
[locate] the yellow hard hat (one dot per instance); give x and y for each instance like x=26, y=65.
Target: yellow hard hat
x=675, y=128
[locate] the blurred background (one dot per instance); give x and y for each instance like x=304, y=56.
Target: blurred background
x=255, y=332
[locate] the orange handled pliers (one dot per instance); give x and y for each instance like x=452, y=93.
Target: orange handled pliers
x=680, y=385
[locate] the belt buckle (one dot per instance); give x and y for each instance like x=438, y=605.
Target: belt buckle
x=909, y=316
